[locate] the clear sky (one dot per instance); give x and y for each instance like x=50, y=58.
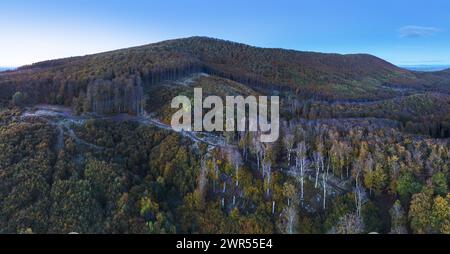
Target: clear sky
x=403, y=32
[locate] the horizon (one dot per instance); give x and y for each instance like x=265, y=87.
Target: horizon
x=408, y=33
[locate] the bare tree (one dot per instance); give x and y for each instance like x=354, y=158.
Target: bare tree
x=236, y=159
x=267, y=173
x=258, y=149
x=398, y=219
x=346, y=151
x=288, y=217
x=289, y=144
x=359, y=190
x=301, y=164
x=288, y=220
x=324, y=185
x=318, y=166
x=202, y=178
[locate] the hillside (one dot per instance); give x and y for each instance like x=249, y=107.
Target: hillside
x=148, y=77
x=306, y=74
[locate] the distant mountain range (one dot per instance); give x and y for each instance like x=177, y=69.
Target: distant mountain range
x=5, y=68
x=425, y=67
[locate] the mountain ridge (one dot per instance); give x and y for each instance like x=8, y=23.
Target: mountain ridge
x=209, y=40
x=205, y=39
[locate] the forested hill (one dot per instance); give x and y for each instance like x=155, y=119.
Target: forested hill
x=364, y=145
x=128, y=71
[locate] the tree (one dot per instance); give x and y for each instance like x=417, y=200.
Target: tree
x=420, y=211
x=161, y=225
x=318, y=166
x=407, y=186
x=337, y=158
x=290, y=193
x=18, y=99
x=156, y=221
x=398, y=219
x=148, y=209
x=375, y=179
x=324, y=185
x=439, y=181
x=289, y=144
x=236, y=159
x=372, y=218
x=267, y=173
x=202, y=179
x=244, y=142
x=440, y=215
x=359, y=191
x=350, y=224
x=190, y=213
x=258, y=149
x=301, y=164
x=288, y=220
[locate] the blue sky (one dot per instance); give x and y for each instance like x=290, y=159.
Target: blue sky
x=403, y=32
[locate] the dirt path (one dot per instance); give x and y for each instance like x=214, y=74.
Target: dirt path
x=64, y=119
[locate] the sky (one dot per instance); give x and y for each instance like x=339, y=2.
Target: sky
x=403, y=32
